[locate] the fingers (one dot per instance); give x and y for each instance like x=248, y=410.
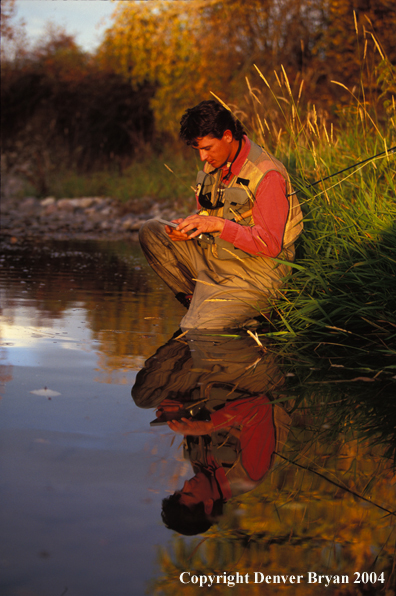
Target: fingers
x=188, y=224
x=169, y=408
x=201, y=224
x=183, y=426
x=176, y=426
x=175, y=235
x=191, y=427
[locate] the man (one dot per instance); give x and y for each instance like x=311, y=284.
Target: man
x=224, y=262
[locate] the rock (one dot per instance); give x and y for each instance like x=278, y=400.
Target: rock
x=90, y=211
x=65, y=205
x=47, y=202
x=130, y=223
x=50, y=209
x=85, y=202
x=106, y=211
x=155, y=211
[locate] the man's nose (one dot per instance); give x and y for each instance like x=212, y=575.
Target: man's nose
x=203, y=154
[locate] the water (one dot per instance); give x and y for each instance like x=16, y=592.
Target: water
x=83, y=473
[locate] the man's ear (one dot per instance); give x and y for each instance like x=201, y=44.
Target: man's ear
x=208, y=506
x=227, y=136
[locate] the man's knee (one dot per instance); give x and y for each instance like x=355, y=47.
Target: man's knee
x=150, y=228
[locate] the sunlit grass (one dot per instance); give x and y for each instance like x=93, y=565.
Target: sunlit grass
x=344, y=277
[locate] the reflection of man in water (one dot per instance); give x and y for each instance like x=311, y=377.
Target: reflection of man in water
x=217, y=394
x=230, y=454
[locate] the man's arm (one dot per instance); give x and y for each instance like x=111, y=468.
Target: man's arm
x=270, y=213
x=254, y=417
x=239, y=412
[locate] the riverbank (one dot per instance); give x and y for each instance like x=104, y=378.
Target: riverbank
x=85, y=218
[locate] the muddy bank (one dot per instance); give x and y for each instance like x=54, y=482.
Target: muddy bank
x=86, y=218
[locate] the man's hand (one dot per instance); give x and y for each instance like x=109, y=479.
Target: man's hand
x=191, y=427
x=174, y=234
x=201, y=224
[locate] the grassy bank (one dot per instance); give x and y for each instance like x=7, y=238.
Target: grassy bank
x=344, y=278
x=345, y=274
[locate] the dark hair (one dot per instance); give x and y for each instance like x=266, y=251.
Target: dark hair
x=188, y=520
x=209, y=118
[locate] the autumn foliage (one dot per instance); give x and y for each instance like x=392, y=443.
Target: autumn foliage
x=190, y=49
x=62, y=107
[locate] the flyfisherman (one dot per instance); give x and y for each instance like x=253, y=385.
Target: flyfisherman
x=223, y=262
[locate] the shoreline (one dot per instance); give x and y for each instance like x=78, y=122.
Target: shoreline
x=85, y=218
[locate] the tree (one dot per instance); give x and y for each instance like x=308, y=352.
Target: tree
x=7, y=14
x=60, y=109
x=349, y=29
x=187, y=50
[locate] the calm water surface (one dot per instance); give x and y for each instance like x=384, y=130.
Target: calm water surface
x=83, y=473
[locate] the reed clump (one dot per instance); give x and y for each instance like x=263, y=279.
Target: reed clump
x=344, y=277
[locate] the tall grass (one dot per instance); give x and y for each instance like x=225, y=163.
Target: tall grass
x=344, y=277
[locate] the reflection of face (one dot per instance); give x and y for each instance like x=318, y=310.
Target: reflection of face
x=197, y=489
x=215, y=151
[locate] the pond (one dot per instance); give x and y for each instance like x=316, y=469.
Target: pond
x=84, y=467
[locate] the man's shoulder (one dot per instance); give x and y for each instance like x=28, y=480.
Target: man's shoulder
x=258, y=153
x=264, y=161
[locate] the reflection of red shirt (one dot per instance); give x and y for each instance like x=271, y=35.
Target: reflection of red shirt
x=257, y=439
x=253, y=416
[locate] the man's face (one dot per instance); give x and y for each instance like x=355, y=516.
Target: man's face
x=215, y=151
x=200, y=489
x=195, y=490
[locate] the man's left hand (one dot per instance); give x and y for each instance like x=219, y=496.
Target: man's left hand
x=201, y=224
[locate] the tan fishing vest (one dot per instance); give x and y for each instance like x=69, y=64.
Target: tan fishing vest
x=240, y=195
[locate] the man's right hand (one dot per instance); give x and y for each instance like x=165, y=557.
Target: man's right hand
x=175, y=235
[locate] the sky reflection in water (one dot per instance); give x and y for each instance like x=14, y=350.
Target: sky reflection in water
x=83, y=473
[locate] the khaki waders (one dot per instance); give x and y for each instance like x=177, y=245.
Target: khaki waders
x=226, y=292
